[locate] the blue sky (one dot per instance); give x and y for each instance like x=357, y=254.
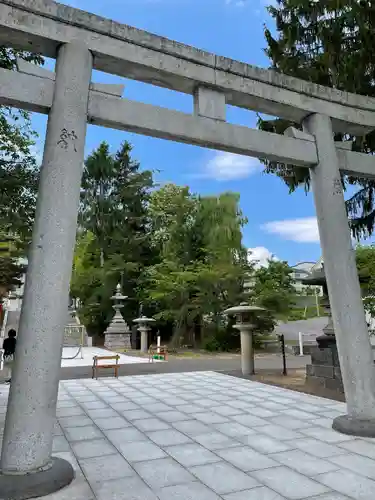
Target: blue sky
x=279, y=223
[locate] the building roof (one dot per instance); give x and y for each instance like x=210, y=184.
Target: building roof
x=308, y=265
x=304, y=266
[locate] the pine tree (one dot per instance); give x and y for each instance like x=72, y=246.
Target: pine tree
x=113, y=239
x=328, y=42
x=202, y=261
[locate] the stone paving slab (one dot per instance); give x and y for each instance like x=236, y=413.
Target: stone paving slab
x=204, y=436
x=70, y=358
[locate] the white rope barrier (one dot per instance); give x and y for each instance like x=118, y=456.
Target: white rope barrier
x=79, y=352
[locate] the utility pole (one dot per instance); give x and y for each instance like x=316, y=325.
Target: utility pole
x=317, y=302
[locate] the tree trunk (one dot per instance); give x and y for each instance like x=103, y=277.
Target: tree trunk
x=197, y=332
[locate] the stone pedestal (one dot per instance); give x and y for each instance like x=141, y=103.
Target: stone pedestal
x=325, y=369
x=117, y=341
x=247, y=352
x=144, y=338
x=117, y=335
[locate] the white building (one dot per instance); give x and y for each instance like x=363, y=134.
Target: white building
x=302, y=270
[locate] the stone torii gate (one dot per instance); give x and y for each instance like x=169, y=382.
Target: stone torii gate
x=80, y=42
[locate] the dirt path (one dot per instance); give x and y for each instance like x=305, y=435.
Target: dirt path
x=295, y=380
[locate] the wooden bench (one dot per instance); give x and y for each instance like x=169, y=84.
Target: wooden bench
x=96, y=365
x=153, y=351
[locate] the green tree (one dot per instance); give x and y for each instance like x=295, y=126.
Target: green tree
x=11, y=270
x=219, y=221
x=201, y=267
x=18, y=182
x=170, y=282
x=92, y=284
x=11, y=273
x=273, y=288
x=223, y=258
x=96, y=203
x=169, y=289
x=365, y=257
x=18, y=168
x=172, y=211
x=330, y=43
x=114, y=243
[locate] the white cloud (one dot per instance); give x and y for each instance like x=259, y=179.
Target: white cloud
x=236, y=3
x=260, y=255
x=260, y=4
x=228, y=166
x=303, y=230
x=268, y=3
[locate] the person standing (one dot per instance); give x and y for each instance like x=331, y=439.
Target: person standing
x=9, y=347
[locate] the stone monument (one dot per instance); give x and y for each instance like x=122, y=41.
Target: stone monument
x=117, y=335
x=245, y=316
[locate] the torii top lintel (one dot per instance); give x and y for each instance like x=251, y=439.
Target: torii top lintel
x=42, y=25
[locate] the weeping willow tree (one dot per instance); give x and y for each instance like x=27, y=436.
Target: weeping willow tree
x=202, y=260
x=328, y=42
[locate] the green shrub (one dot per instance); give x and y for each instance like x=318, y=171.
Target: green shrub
x=296, y=316
x=222, y=339
x=212, y=345
x=301, y=314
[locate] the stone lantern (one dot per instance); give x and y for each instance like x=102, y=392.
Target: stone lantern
x=325, y=369
x=318, y=278
x=245, y=323
x=144, y=326
x=117, y=335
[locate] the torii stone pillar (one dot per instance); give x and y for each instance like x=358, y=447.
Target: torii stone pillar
x=353, y=342
x=27, y=468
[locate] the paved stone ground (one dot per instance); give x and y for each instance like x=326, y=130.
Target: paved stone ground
x=204, y=436
x=181, y=365
x=70, y=359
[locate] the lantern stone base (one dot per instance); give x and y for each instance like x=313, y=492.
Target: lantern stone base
x=325, y=368
x=144, y=339
x=247, y=352
x=117, y=341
